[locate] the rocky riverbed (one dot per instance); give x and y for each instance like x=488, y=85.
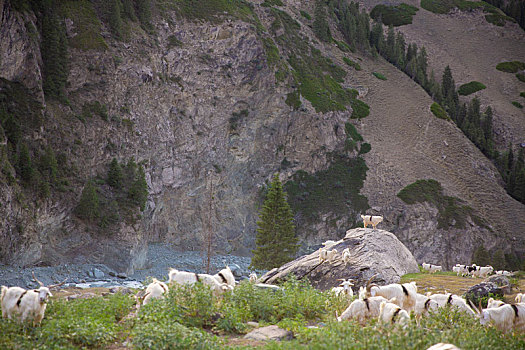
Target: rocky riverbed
x=160, y=258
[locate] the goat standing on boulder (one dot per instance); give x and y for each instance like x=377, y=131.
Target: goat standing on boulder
x=371, y=220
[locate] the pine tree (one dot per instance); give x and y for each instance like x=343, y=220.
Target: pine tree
x=115, y=18
x=320, y=25
x=25, y=166
x=275, y=241
x=115, y=174
x=498, y=260
x=138, y=192
x=481, y=256
x=88, y=206
x=143, y=11
x=128, y=10
x=49, y=165
x=390, y=44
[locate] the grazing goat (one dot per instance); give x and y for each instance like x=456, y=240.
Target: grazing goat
x=346, y=256
x=451, y=299
x=330, y=255
x=253, y=277
x=345, y=288
x=392, y=313
x=185, y=277
x=362, y=309
x=155, y=290
x=520, y=298
x=225, y=276
x=431, y=268
x=26, y=305
x=443, y=346
x=483, y=272
x=503, y=273
x=404, y=294
x=460, y=269
x=424, y=305
x=505, y=317
x=494, y=303
x=371, y=220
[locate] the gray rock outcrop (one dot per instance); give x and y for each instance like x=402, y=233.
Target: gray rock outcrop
x=371, y=252
x=269, y=333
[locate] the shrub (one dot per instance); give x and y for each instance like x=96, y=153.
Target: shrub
x=510, y=67
x=293, y=100
x=396, y=15
x=352, y=63
x=521, y=77
x=270, y=3
x=305, y=15
x=470, y=88
x=351, y=132
x=379, y=76
x=365, y=148
x=173, y=41
x=359, y=109
x=439, y=111
x=517, y=104
x=522, y=94
x=88, y=206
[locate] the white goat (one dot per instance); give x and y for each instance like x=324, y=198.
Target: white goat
x=460, y=269
x=225, y=276
x=323, y=255
x=505, y=317
x=185, y=277
x=404, y=294
x=443, y=346
x=329, y=243
x=494, y=303
x=345, y=288
x=431, y=268
x=424, y=305
x=520, y=298
x=25, y=305
x=392, y=313
x=472, y=270
x=451, y=299
x=330, y=255
x=503, y=273
x=155, y=290
x=362, y=309
x=483, y=272
x=371, y=220
x=345, y=256
x=253, y=277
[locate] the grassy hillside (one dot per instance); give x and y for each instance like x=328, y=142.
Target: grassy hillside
x=190, y=317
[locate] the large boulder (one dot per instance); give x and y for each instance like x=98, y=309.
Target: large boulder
x=371, y=252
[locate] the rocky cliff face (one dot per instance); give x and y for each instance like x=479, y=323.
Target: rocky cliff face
x=199, y=105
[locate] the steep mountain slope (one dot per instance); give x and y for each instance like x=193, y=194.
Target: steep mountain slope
x=211, y=103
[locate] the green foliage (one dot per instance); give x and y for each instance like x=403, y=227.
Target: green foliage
x=352, y=132
x=138, y=191
x=270, y=3
x=236, y=119
x=272, y=52
x=522, y=94
x=451, y=212
x=173, y=41
x=88, y=206
x=293, y=100
x=352, y=63
x=214, y=11
x=87, y=25
x=305, y=15
x=115, y=19
x=517, y=104
x=335, y=189
x=498, y=260
x=512, y=8
x=365, y=148
x=510, y=67
x=24, y=165
x=275, y=241
x=494, y=15
x=143, y=11
x=88, y=109
x=115, y=175
x=359, y=109
x=521, y=77
x=396, y=15
x=320, y=25
x=439, y=111
x=379, y=75
x=470, y=88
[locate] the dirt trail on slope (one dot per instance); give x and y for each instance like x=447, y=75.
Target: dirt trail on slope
x=410, y=143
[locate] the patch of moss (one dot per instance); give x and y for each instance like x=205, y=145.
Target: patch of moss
x=517, y=104
x=359, y=109
x=352, y=63
x=452, y=213
x=379, y=75
x=511, y=66
x=305, y=15
x=293, y=100
x=334, y=190
x=214, y=11
x=86, y=25
x=470, y=88
x=521, y=77
x=439, y=111
x=396, y=15
x=270, y=3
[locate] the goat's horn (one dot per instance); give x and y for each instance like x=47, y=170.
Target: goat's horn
x=34, y=277
x=474, y=308
x=57, y=285
x=370, y=281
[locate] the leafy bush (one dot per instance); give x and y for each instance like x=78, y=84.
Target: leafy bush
x=293, y=100
x=306, y=15
x=396, y=15
x=522, y=94
x=517, y=104
x=352, y=132
x=510, y=67
x=379, y=75
x=439, y=111
x=270, y=3
x=365, y=148
x=352, y=63
x=470, y=88
x=359, y=109
x=521, y=77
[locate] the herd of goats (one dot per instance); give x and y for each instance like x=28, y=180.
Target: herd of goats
x=394, y=303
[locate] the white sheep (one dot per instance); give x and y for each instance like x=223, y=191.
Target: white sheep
x=424, y=305
x=345, y=256
x=404, y=294
x=371, y=220
x=520, y=298
x=25, y=305
x=392, y=313
x=253, y=277
x=330, y=255
x=362, y=309
x=345, y=288
x=505, y=317
x=225, y=276
x=494, y=303
x=155, y=290
x=453, y=300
